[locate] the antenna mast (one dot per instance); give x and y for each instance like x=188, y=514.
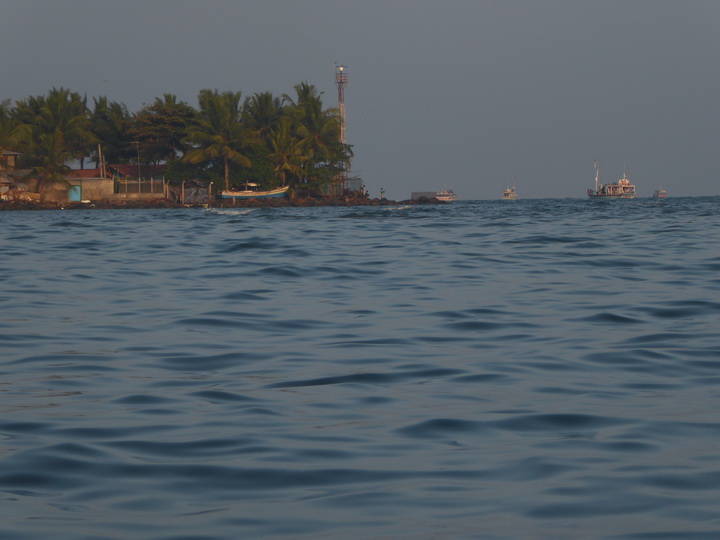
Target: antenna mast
x=341, y=80
x=597, y=176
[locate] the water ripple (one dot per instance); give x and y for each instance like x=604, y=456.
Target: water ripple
x=474, y=370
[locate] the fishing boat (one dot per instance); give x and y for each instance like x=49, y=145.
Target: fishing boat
x=446, y=195
x=622, y=189
x=509, y=194
x=660, y=194
x=247, y=193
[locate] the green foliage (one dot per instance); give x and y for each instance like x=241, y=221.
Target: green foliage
x=52, y=130
x=261, y=113
x=7, y=125
x=159, y=129
x=262, y=171
x=267, y=140
x=317, y=134
x=218, y=132
x=177, y=171
x=111, y=122
x=286, y=151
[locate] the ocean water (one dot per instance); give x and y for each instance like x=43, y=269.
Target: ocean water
x=485, y=370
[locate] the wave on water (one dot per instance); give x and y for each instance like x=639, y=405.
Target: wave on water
x=230, y=211
x=546, y=369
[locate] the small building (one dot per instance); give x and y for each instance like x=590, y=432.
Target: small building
x=117, y=182
x=8, y=160
x=87, y=185
x=355, y=184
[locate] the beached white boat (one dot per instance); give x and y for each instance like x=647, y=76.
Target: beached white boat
x=247, y=193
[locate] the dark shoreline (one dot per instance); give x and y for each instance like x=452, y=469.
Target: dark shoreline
x=249, y=203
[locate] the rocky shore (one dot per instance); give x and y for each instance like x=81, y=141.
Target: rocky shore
x=218, y=203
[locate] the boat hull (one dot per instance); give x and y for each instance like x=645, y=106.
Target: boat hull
x=595, y=195
x=279, y=193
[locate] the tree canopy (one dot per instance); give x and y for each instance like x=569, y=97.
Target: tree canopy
x=52, y=131
x=270, y=140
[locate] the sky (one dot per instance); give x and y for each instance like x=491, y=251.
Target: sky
x=471, y=95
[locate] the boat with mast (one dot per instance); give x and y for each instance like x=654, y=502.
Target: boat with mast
x=622, y=189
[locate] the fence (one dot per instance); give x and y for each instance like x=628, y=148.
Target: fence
x=127, y=186
x=194, y=195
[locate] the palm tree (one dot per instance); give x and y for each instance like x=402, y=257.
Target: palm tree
x=54, y=130
x=110, y=122
x=318, y=131
x=8, y=129
x=50, y=156
x=261, y=113
x=218, y=132
x=286, y=154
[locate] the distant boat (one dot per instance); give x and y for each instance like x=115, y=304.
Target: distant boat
x=660, y=194
x=622, y=189
x=278, y=193
x=447, y=195
x=509, y=194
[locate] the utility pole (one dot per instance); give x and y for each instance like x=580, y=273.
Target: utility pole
x=137, y=145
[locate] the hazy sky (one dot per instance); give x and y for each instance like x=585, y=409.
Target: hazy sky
x=442, y=93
